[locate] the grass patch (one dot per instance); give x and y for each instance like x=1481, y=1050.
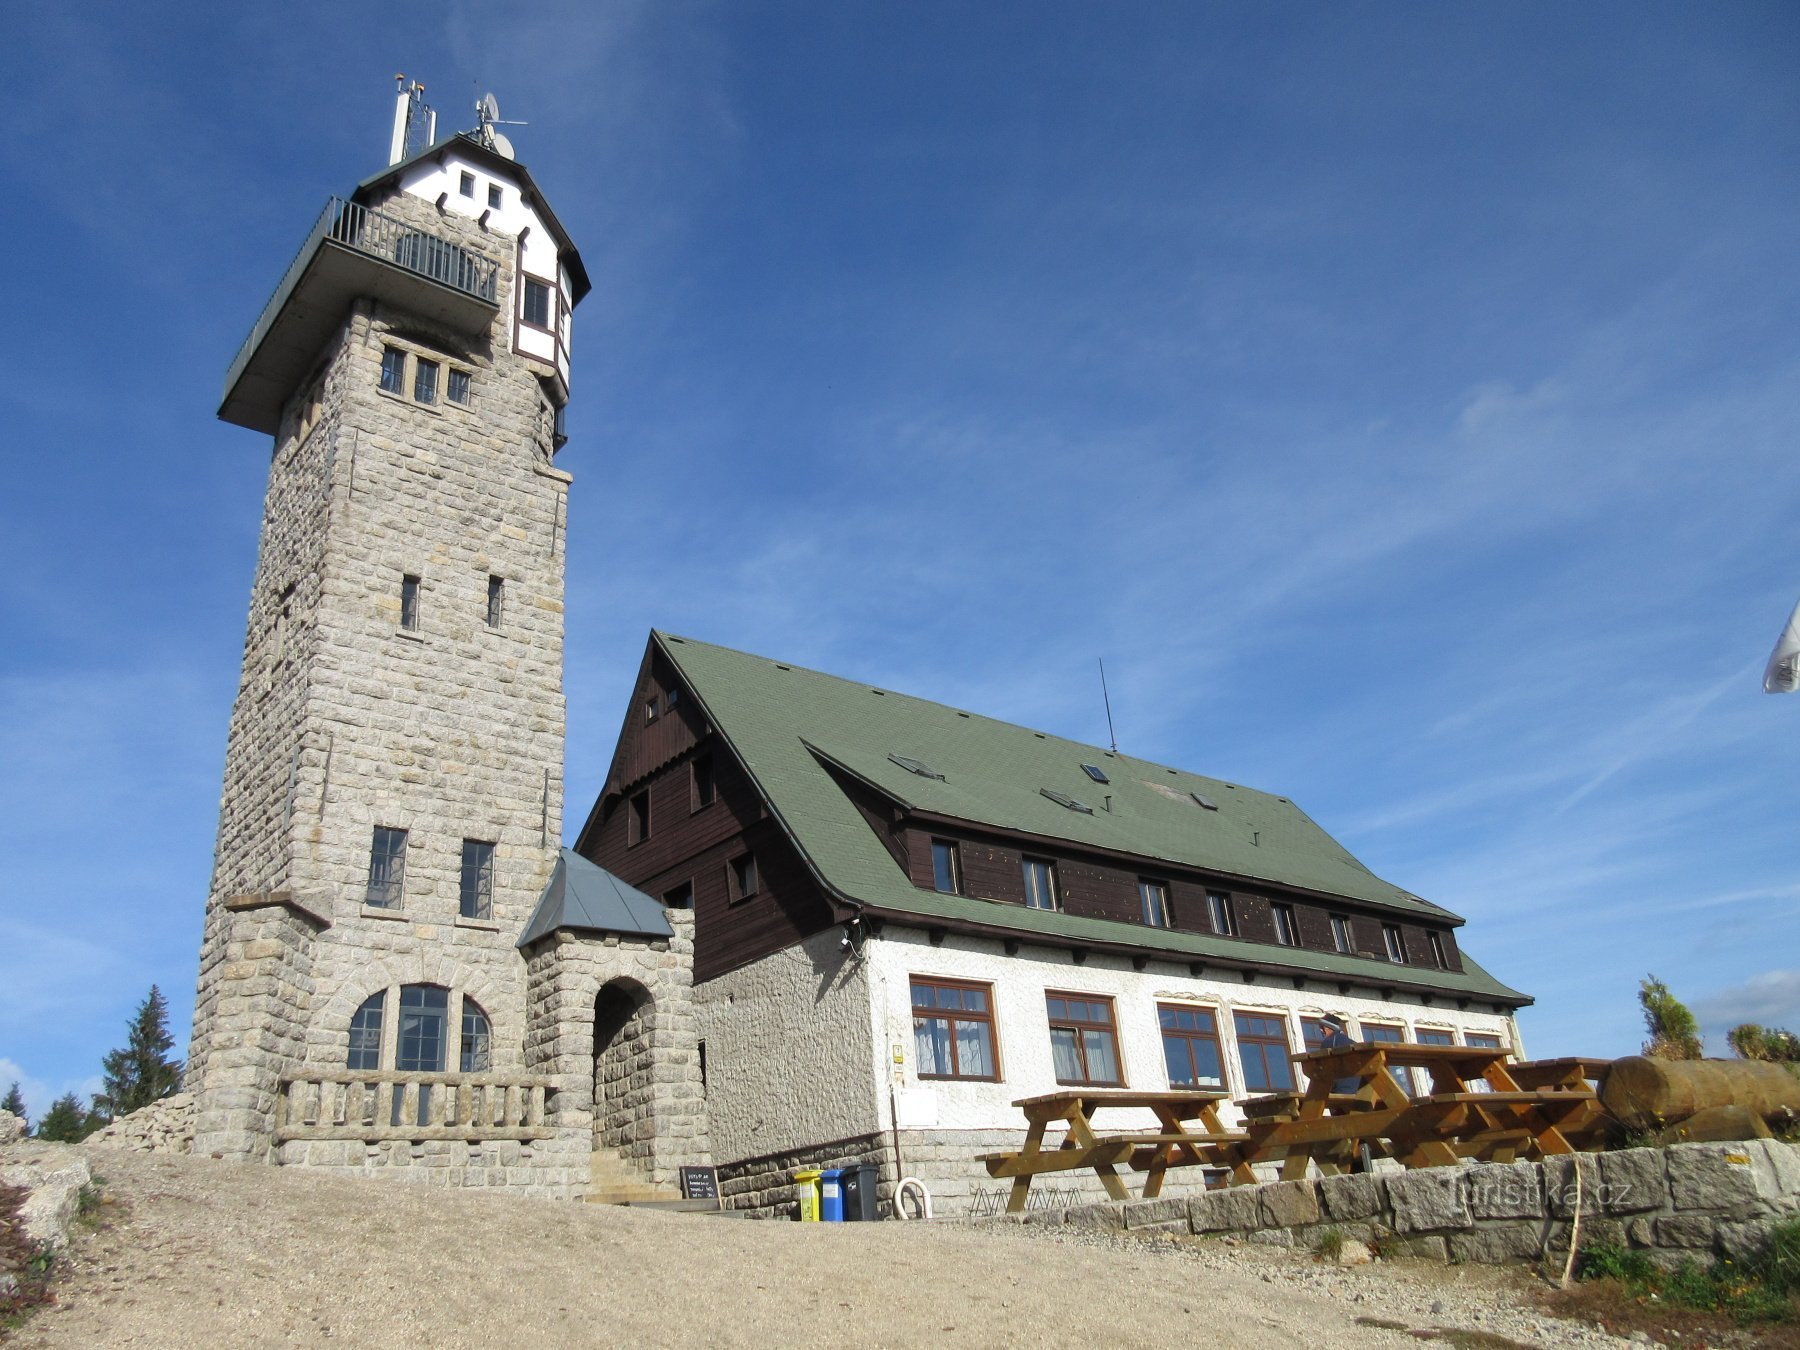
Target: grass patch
x=1627, y=1292
x=1330, y=1244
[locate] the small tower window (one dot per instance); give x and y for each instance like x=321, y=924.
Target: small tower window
x=496, y=600
x=456, y=387
x=393, y=370
x=537, y=303
x=467, y=184
x=425, y=380
x=477, y=890
x=494, y=197
x=409, y=603
x=477, y=1039
x=387, y=868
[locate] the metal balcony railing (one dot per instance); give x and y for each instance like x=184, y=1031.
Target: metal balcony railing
x=388, y=238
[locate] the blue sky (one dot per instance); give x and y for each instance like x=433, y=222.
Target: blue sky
x=1401, y=398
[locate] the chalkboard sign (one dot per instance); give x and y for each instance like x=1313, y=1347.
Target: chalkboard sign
x=700, y=1183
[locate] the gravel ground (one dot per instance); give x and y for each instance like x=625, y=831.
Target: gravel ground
x=197, y=1253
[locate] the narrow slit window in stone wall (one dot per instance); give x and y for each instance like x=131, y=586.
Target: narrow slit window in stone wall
x=477, y=892
x=496, y=600
x=409, y=603
x=387, y=868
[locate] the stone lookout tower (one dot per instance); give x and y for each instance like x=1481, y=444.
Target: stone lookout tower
x=393, y=798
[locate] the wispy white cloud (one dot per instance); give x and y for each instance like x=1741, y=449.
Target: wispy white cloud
x=1769, y=998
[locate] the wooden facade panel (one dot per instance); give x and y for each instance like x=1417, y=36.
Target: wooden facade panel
x=647, y=743
x=1104, y=889
x=677, y=830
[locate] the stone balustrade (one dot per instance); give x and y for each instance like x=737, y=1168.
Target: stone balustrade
x=374, y=1106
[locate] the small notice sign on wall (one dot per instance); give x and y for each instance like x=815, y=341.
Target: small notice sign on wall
x=700, y=1183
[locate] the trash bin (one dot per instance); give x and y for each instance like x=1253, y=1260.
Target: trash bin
x=806, y=1191
x=831, y=1195
x=859, y=1192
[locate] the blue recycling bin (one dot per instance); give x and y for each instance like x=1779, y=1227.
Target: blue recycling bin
x=831, y=1200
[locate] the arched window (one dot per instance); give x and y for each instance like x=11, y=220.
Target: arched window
x=475, y=1036
x=365, y=1034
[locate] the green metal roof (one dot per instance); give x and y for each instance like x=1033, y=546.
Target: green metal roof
x=781, y=719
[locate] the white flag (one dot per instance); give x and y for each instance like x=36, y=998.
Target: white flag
x=1783, y=674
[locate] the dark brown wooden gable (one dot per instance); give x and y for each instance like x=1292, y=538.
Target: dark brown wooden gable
x=880, y=813
x=647, y=744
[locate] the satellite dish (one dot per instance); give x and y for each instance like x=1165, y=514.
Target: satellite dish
x=503, y=146
x=489, y=108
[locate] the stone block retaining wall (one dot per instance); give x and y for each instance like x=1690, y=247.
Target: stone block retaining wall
x=1687, y=1201
x=550, y=1169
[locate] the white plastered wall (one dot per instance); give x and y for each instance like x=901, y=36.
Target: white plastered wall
x=514, y=217
x=1022, y=1027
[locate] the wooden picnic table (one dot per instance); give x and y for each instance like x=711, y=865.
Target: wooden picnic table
x=1175, y=1144
x=1452, y=1121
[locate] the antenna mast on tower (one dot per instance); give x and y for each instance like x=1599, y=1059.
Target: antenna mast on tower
x=415, y=123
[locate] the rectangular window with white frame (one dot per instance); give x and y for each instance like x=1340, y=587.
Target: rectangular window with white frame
x=1287, y=928
x=1395, y=943
x=1341, y=937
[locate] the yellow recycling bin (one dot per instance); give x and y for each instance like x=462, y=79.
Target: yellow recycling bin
x=806, y=1191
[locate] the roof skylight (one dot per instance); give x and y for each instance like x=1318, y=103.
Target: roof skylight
x=917, y=766
x=1204, y=800
x=1064, y=799
x=1095, y=772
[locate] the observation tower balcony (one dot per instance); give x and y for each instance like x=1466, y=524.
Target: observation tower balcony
x=351, y=252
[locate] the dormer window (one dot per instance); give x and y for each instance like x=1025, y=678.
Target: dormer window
x=1095, y=772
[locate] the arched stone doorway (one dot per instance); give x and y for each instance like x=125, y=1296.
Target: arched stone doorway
x=625, y=1071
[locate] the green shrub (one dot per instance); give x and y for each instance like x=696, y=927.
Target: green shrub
x=1759, y=1290
x=1330, y=1244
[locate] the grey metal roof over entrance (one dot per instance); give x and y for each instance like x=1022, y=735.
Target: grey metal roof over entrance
x=585, y=898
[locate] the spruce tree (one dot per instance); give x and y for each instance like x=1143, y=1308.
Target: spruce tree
x=141, y=1072
x=65, y=1122
x=14, y=1101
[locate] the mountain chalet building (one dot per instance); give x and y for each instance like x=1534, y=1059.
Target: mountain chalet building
x=807, y=922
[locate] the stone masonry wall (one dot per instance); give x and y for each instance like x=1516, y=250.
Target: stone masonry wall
x=451, y=731
x=550, y=1169
x=261, y=972
x=652, y=1103
x=1688, y=1201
